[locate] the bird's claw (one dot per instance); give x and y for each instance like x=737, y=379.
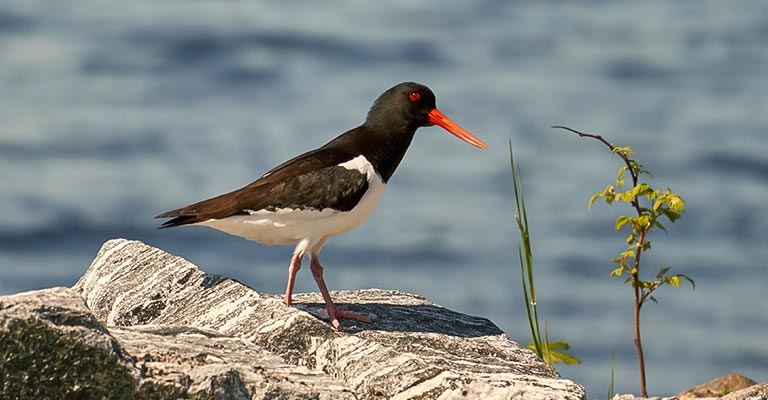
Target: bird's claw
x=342, y=312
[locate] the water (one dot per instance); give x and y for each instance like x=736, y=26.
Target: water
x=114, y=112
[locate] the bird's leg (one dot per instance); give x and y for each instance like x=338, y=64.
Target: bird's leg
x=335, y=313
x=292, y=271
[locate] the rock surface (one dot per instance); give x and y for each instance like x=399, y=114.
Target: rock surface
x=726, y=387
x=717, y=387
x=755, y=392
x=161, y=328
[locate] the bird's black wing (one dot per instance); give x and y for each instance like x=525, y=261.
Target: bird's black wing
x=313, y=180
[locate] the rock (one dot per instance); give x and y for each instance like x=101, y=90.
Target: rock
x=52, y=347
x=726, y=387
x=161, y=328
x=754, y=392
x=717, y=387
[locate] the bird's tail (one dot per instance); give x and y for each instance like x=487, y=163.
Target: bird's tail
x=178, y=219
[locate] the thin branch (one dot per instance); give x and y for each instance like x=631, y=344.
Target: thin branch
x=621, y=154
x=590, y=135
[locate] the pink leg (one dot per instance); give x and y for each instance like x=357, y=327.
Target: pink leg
x=334, y=312
x=292, y=271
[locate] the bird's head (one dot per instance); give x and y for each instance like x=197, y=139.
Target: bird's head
x=413, y=106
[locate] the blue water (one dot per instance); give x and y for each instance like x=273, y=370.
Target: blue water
x=113, y=112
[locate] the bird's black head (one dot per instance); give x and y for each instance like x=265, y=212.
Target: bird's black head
x=408, y=103
x=408, y=106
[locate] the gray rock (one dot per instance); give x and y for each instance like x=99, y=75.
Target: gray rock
x=717, y=387
x=633, y=397
x=53, y=347
x=726, y=387
x=755, y=392
x=173, y=328
x=205, y=362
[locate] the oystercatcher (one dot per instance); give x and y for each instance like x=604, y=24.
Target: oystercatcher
x=325, y=192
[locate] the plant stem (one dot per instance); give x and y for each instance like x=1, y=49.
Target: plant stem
x=638, y=304
x=613, y=370
x=639, y=344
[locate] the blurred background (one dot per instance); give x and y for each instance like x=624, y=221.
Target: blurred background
x=113, y=112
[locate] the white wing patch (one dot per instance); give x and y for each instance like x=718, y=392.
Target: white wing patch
x=360, y=164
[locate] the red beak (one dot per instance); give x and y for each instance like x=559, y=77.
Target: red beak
x=438, y=118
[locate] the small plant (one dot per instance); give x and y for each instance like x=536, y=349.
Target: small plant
x=611, y=391
x=550, y=352
x=651, y=206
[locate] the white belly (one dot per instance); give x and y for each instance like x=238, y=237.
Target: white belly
x=288, y=226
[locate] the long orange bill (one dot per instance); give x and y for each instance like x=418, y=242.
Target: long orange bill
x=438, y=118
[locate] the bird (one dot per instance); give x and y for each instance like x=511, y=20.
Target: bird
x=327, y=191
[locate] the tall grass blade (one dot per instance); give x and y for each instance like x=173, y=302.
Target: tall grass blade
x=543, y=348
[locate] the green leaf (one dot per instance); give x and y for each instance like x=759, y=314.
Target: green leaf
x=628, y=253
x=626, y=150
x=558, y=356
x=676, y=202
x=687, y=278
x=617, y=271
x=671, y=215
x=641, y=189
x=558, y=344
x=625, y=196
x=622, y=220
x=608, y=191
x=553, y=356
x=630, y=239
x=593, y=198
x=620, y=175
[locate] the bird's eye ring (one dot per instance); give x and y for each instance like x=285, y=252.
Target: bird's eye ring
x=415, y=97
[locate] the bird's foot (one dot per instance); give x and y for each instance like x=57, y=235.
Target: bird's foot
x=337, y=313
x=287, y=300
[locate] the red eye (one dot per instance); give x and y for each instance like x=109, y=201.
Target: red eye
x=414, y=96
